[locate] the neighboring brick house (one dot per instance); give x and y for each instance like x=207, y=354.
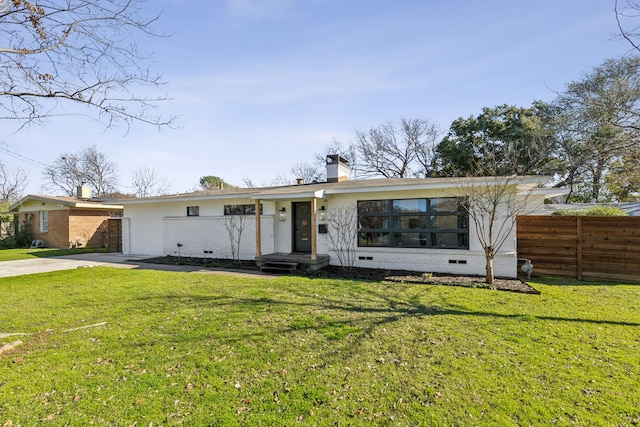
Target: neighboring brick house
x=63, y=222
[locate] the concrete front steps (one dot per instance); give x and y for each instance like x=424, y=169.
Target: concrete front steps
x=287, y=262
x=277, y=267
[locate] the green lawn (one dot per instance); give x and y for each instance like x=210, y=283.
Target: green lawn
x=160, y=348
x=16, y=254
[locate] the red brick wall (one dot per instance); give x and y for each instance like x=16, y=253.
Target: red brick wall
x=65, y=226
x=58, y=233
x=89, y=227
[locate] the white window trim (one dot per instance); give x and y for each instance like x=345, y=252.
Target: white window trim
x=44, y=223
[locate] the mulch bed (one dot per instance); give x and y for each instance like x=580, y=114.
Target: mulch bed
x=370, y=274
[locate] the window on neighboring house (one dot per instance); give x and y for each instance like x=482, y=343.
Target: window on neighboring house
x=44, y=221
x=241, y=209
x=414, y=223
x=193, y=210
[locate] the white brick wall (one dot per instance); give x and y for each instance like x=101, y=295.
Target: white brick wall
x=432, y=261
x=207, y=237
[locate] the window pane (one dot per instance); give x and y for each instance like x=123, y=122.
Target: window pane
x=373, y=239
x=193, y=210
x=44, y=221
x=234, y=209
x=447, y=204
x=410, y=240
x=373, y=206
x=410, y=205
x=448, y=221
x=374, y=222
x=410, y=222
x=450, y=240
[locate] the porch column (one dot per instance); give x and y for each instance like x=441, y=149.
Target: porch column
x=314, y=249
x=258, y=234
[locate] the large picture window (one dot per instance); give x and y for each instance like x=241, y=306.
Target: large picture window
x=414, y=223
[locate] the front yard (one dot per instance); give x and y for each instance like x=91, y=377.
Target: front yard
x=116, y=347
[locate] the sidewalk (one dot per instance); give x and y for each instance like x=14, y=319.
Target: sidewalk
x=115, y=260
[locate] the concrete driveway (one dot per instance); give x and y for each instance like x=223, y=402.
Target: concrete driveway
x=116, y=260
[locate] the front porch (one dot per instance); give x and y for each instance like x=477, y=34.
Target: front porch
x=280, y=262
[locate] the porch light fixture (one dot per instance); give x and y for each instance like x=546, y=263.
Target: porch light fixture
x=283, y=214
x=322, y=214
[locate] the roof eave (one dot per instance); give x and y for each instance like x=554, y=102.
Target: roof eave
x=187, y=198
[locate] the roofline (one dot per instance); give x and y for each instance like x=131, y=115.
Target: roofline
x=549, y=192
x=83, y=204
x=327, y=189
x=189, y=197
x=321, y=190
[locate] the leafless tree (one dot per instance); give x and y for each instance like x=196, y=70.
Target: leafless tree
x=235, y=224
x=12, y=183
x=90, y=166
x=397, y=151
x=343, y=222
x=148, y=183
x=424, y=136
x=348, y=152
x=282, y=178
x=248, y=182
x=493, y=205
x=77, y=52
x=626, y=11
x=308, y=172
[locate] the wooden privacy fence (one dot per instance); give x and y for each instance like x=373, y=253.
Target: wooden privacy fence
x=581, y=246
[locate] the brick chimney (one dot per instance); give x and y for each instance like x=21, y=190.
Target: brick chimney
x=337, y=168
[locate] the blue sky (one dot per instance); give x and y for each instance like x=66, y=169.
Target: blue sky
x=260, y=85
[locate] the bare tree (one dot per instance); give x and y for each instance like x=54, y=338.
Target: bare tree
x=248, y=182
x=235, y=223
x=90, y=166
x=398, y=151
x=424, y=136
x=316, y=170
x=77, y=52
x=148, y=183
x=383, y=151
x=282, y=178
x=493, y=205
x=348, y=152
x=12, y=183
x=343, y=221
x=626, y=11
x=308, y=172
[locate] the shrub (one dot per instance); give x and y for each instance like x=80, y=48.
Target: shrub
x=593, y=211
x=16, y=236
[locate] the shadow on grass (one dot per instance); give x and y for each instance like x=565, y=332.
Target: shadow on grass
x=365, y=309
x=52, y=252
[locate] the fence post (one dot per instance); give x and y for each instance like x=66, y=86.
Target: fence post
x=579, y=247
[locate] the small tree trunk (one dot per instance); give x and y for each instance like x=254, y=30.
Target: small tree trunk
x=489, y=265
